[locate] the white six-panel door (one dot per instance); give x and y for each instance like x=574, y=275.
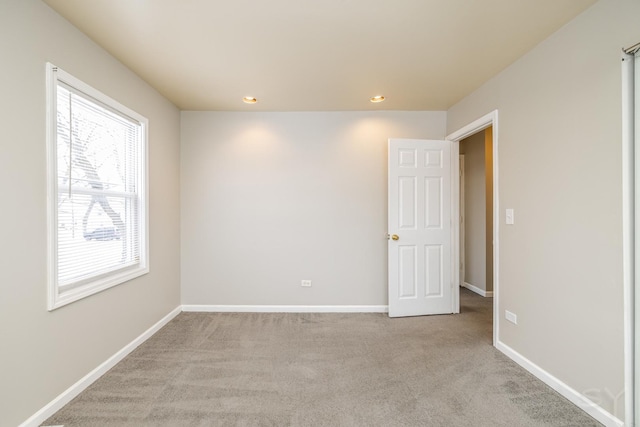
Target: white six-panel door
x=420, y=238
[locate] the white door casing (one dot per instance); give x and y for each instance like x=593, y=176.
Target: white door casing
x=462, y=222
x=489, y=119
x=420, y=260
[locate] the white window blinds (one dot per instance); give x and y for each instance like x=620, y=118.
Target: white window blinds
x=99, y=204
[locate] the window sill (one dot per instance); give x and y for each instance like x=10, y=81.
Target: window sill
x=64, y=297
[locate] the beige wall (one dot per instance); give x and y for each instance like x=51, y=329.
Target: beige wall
x=269, y=199
x=559, y=167
x=475, y=231
x=43, y=353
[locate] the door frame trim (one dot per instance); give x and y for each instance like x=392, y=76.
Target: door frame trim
x=462, y=220
x=490, y=119
x=630, y=233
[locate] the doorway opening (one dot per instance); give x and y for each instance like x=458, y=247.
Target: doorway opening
x=493, y=243
x=476, y=213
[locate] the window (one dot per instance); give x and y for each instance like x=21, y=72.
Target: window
x=97, y=190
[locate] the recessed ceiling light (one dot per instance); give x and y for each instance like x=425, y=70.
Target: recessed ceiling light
x=249, y=100
x=377, y=98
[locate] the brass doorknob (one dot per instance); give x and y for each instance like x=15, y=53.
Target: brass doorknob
x=395, y=237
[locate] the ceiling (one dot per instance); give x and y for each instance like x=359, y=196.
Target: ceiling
x=330, y=55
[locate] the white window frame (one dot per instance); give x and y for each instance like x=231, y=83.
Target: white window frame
x=58, y=297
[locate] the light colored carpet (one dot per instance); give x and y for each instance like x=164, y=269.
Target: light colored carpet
x=249, y=369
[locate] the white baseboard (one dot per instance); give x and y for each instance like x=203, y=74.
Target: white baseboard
x=66, y=396
x=287, y=308
x=477, y=290
x=575, y=397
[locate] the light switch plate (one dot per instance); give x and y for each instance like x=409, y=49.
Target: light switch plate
x=509, y=218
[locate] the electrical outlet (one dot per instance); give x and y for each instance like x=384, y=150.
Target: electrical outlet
x=306, y=283
x=511, y=317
